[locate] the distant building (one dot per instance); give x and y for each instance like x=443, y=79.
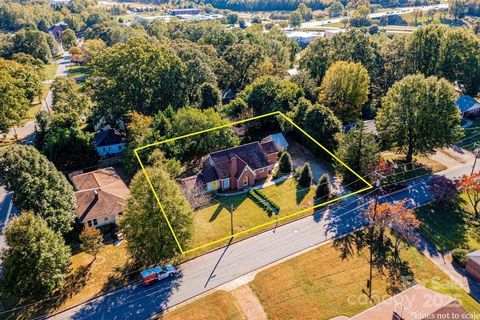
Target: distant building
x=59, y=3
x=57, y=29
x=101, y=197
x=191, y=11
x=109, y=142
x=150, y=19
x=329, y=33
x=415, y=303
x=468, y=106
x=473, y=264
x=302, y=38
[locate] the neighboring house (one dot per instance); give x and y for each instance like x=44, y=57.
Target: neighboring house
x=235, y=168
x=415, y=303
x=473, y=264
x=468, y=106
x=279, y=140
x=109, y=142
x=101, y=197
x=57, y=29
x=192, y=11
x=302, y=38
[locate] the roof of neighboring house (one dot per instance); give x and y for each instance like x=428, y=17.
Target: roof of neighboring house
x=474, y=256
x=269, y=147
x=278, y=138
x=209, y=174
x=412, y=302
x=251, y=153
x=108, y=137
x=99, y=193
x=466, y=103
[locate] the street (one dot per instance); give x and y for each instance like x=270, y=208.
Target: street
x=211, y=270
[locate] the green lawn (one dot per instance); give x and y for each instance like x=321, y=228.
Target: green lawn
x=447, y=225
x=50, y=70
x=78, y=72
x=321, y=284
x=214, y=222
x=423, y=19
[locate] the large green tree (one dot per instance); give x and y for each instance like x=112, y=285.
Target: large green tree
x=35, y=261
x=152, y=243
x=67, y=98
x=137, y=76
x=245, y=58
x=358, y=150
x=345, y=89
x=33, y=42
x=38, y=186
x=69, y=38
x=419, y=114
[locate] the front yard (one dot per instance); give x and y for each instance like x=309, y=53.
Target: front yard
x=215, y=221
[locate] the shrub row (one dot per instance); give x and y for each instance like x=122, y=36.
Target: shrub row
x=269, y=200
x=261, y=203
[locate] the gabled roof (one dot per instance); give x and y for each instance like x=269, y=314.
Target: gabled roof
x=413, y=302
x=241, y=165
x=278, y=139
x=108, y=137
x=466, y=103
x=269, y=147
x=209, y=174
x=99, y=193
x=474, y=256
x=251, y=153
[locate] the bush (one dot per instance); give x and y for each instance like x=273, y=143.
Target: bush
x=305, y=179
x=459, y=255
x=269, y=200
x=256, y=198
x=285, y=165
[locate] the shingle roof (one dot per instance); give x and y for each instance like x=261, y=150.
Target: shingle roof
x=465, y=103
x=269, y=147
x=209, y=174
x=252, y=153
x=240, y=167
x=111, y=193
x=193, y=182
x=474, y=256
x=108, y=137
x=278, y=138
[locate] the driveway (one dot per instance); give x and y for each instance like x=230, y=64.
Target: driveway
x=300, y=155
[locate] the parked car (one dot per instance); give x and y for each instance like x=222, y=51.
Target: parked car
x=157, y=273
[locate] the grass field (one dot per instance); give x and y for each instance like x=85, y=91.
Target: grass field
x=78, y=72
x=50, y=70
x=216, y=306
x=214, y=222
x=447, y=225
x=321, y=285
x=424, y=19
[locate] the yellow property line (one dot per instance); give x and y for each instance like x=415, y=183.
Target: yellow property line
x=369, y=186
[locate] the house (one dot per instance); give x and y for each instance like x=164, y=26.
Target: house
x=101, y=196
x=192, y=11
x=57, y=29
x=235, y=168
x=302, y=38
x=473, y=264
x=279, y=140
x=109, y=142
x=468, y=106
x=415, y=303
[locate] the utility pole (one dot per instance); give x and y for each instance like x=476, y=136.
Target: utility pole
x=477, y=153
x=231, y=219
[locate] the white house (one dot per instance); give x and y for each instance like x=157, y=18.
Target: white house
x=109, y=142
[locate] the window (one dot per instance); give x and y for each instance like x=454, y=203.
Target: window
x=90, y=223
x=260, y=170
x=226, y=183
x=95, y=222
x=245, y=180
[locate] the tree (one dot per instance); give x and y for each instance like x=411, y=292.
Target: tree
x=285, y=163
x=424, y=47
x=442, y=188
x=210, y=96
x=232, y=18
x=324, y=190
x=318, y=120
x=306, y=12
x=359, y=151
x=305, y=179
x=137, y=76
x=457, y=8
x=419, y=114
x=295, y=19
x=470, y=185
x=35, y=261
x=256, y=20
x=152, y=243
x=245, y=58
x=68, y=99
x=345, y=89
x=70, y=149
x=68, y=38
x=32, y=42
x=242, y=23
x=91, y=48
x=335, y=9
x=38, y=186
x=268, y=94
x=92, y=241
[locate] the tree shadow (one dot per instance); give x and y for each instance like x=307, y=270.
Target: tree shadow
x=301, y=193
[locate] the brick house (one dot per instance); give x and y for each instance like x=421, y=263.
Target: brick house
x=235, y=168
x=473, y=264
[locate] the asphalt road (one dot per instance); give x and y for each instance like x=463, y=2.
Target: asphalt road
x=392, y=12
x=224, y=265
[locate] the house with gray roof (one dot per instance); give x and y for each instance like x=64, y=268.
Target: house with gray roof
x=109, y=142
x=235, y=168
x=468, y=106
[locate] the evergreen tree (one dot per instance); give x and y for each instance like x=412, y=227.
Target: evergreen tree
x=323, y=191
x=285, y=164
x=305, y=179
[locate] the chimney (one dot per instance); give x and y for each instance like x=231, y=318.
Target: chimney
x=233, y=166
x=95, y=194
